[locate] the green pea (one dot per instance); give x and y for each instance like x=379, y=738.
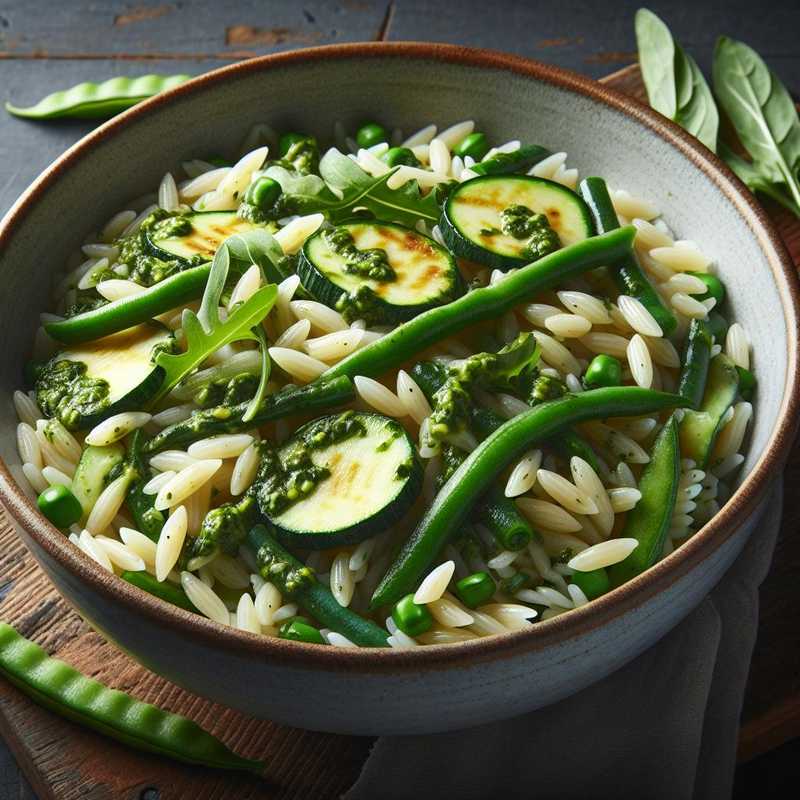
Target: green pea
x=592, y=583
x=476, y=145
x=411, y=618
x=60, y=506
x=603, y=370
x=747, y=382
x=476, y=589
x=400, y=156
x=718, y=326
x=714, y=287
x=263, y=194
x=370, y=134
x=218, y=161
x=287, y=140
x=299, y=631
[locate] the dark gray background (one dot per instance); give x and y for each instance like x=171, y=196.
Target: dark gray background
x=47, y=45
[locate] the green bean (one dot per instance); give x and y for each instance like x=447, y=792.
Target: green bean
x=476, y=146
x=453, y=503
x=57, y=686
x=147, y=518
x=297, y=582
x=503, y=163
x=499, y=514
x=593, y=583
x=569, y=444
x=412, y=618
x=166, y=591
x=476, y=589
x=649, y=520
x=98, y=100
x=692, y=381
x=129, y=311
x=627, y=273
x=483, y=304
x=322, y=394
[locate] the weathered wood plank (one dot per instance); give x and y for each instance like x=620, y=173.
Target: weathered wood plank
x=596, y=39
x=208, y=28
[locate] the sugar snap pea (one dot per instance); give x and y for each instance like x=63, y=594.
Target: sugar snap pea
x=627, y=273
x=61, y=688
x=453, y=503
x=129, y=311
x=296, y=581
x=483, y=304
x=98, y=100
x=649, y=520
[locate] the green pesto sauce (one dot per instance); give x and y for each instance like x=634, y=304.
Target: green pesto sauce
x=225, y=528
x=521, y=222
x=302, y=156
x=284, y=479
x=372, y=263
x=361, y=303
x=293, y=578
x=66, y=392
x=85, y=302
x=143, y=267
x=228, y=391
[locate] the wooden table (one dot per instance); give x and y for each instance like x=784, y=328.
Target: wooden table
x=44, y=46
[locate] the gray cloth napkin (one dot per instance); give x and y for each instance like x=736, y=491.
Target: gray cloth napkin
x=664, y=726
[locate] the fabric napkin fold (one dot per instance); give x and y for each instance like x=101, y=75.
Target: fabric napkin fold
x=664, y=726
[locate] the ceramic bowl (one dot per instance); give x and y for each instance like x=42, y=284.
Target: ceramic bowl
x=432, y=688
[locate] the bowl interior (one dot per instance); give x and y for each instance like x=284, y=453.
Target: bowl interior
x=312, y=93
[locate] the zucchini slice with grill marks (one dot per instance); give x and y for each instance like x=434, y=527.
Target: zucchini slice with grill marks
x=378, y=271
x=201, y=234
x=87, y=383
x=506, y=221
x=356, y=473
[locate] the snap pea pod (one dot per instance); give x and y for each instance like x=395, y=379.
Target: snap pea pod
x=297, y=581
x=322, y=394
x=650, y=518
x=126, y=312
x=626, y=271
x=147, y=518
x=61, y=688
x=166, y=591
x=503, y=163
x=483, y=304
x=699, y=428
x=452, y=505
x=98, y=100
x=692, y=382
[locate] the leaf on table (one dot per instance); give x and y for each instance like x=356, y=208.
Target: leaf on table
x=657, y=61
x=697, y=112
x=761, y=110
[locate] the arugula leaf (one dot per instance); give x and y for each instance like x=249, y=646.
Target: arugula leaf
x=358, y=189
x=205, y=332
x=761, y=110
x=308, y=193
x=266, y=365
x=657, y=61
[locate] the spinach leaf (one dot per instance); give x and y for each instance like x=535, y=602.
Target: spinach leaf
x=675, y=85
x=657, y=62
x=761, y=110
x=309, y=193
x=759, y=178
x=697, y=112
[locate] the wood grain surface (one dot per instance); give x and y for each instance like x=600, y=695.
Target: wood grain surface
x=65, y=762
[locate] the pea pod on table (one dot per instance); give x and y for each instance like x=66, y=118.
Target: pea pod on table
x=98, y=100
x=61, y=688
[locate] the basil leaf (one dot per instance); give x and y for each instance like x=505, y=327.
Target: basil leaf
x=697, y=112
x=761, y=110
x=657, y=62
